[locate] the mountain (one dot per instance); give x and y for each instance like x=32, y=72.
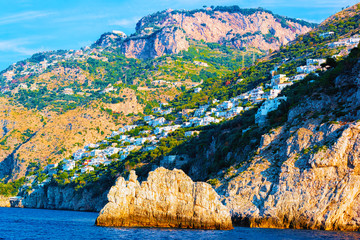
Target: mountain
x=168, y=32
x=297, y=168
x=74, y=97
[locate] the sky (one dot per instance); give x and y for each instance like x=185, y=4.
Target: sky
x=30, y=26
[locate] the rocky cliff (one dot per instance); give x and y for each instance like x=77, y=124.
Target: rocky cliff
x=305, y=174
x=65, y=198
x=167, y=199
x=168, y=40
x=168, y=32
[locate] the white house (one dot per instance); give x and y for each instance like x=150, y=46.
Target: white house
x=78, y=154
x=225, y=105
x=167, y=111
x=149, y=148
x=140, y=141
x=273, y=93
x=111, y=151
x=277, y=79
x=23, y=86
x=326, y=34
x=197, y=90
x=298, y=77
x=268, y=106
x=68, y=91
x=96, y=152
x=202, y=64
x=157, y=122
x=220, y=114
x=316, y=62
x=199, y=112
x=68, y=165
x=114, y=134
x=186, y=124
x=97, y=161
x=109, y=89
x=91, y=146
x=129, y=127
x=148, y=118
x=87, y=169
x=306, y=69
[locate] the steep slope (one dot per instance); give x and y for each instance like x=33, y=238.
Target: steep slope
x=305, y=173
x=298, y=169
x=67, y=90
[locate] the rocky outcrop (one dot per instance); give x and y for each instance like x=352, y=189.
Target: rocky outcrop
x=169, y=40
x=169, y=198
x=305, y=174
x=168, y=32
x=67, y=198
x=312, y=182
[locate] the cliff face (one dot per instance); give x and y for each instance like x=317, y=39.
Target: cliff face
x=65, y=199
x=169, y=40
x=306, y=173
x=167, y=199
x=167, y=32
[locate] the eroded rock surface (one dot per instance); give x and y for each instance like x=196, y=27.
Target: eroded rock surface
x=169, y=198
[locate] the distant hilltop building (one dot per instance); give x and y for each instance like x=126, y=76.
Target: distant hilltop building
x=197, y=90
x=122, y=34
x=326, y=34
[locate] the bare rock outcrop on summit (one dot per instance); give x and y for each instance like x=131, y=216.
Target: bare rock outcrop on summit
x=169, y=198
x=171, y=31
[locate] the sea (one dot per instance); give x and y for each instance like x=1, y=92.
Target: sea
x=20, y=223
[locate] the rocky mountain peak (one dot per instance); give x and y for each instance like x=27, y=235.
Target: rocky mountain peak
x=169, y=31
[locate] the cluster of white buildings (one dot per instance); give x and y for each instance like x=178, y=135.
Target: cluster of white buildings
x=347, y=42
x=312, y=65
x=121, y=142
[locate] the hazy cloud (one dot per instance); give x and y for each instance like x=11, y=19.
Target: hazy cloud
x=76, y=18
x=18, y=46
x=24, y=16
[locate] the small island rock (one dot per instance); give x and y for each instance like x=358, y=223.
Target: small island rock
x=169, y=199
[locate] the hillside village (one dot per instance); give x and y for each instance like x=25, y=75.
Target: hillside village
x=43, y=62
x=145, y=134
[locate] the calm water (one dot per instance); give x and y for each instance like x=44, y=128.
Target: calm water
x=18, y=223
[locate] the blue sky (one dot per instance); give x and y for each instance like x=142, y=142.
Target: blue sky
x=30, y=26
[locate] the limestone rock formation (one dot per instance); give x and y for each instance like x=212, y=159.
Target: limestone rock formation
x=169, y=198
x=168, y=32
x=169, y=40
x=171, y=31
x=305, y=174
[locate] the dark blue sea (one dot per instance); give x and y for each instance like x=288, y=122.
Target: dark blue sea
x=17, y=223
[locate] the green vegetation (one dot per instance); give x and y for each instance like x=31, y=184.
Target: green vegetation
x=11, y=188
x=200, y=62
